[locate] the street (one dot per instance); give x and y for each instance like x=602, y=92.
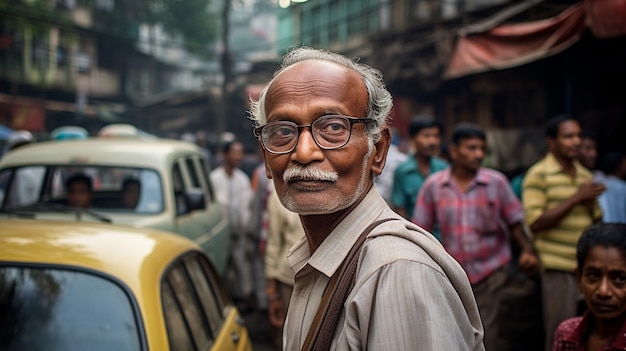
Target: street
x=259, y=330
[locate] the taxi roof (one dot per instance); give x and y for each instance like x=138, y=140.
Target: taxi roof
x=132, y=152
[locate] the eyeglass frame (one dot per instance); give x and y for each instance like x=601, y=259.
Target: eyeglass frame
x=258, y=132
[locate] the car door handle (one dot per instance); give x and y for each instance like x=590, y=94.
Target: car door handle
x=235, y=337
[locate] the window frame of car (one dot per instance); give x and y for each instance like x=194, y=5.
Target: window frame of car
x=123, y=288
x=180, y=282
x=190, y=175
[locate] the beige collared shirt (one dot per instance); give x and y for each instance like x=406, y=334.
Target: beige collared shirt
x=409, y=293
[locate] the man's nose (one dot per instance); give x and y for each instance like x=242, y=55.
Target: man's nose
x=306, y=149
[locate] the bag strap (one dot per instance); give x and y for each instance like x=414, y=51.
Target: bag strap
x=322, y=330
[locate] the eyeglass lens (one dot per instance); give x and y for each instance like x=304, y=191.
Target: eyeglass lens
x=328, y=131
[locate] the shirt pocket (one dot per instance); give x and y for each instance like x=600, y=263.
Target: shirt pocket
x=487, y=219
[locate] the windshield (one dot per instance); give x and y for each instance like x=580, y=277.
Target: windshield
x=108, y=189
x=59, y=309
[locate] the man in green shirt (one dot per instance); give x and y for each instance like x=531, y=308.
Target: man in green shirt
x=408, y=178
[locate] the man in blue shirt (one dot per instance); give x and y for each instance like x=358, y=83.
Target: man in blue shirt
x=613, y=200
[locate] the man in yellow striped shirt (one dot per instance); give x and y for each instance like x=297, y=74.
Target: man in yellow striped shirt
x=560, y=201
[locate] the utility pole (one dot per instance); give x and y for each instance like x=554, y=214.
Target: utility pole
x=226, y=64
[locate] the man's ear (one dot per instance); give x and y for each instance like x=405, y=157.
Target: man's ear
x=453, y=150
x=380, y=151
x=268, y=174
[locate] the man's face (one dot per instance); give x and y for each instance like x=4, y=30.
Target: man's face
x=603, y=282
x=78, y=195
x=310, y=180
x=428, y=142
x=130, y=196
x=234, y=157
x=567, y=142
x=588, y=154
x=468, y=154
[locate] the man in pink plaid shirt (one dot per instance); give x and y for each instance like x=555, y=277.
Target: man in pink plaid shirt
x=476, y=210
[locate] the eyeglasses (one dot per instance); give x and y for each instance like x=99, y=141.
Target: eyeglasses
x=329, y=132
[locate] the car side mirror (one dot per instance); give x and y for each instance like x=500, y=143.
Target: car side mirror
x=195, y=199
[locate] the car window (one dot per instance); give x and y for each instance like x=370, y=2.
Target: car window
x=21, y=186
x=204, y=173
x=179, y=190
x=195, y=303
x=193, y=175
x=60, y=309
x=47, y=185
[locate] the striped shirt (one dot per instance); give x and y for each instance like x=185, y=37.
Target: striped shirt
x=545, y=186
x=474, y=223
x=409, y=294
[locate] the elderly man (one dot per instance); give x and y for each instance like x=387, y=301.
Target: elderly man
x=321, y=123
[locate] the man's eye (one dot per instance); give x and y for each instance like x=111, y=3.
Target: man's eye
x=284, y=131
x=332, y=126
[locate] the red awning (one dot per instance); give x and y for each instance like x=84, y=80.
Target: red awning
x=513, y=45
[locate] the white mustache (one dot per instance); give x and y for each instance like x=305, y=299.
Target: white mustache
x=309, y=173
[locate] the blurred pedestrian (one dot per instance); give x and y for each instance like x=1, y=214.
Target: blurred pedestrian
x=588, y=154
x=425, y=133
x=284, y=231
x=395, y=157
x=261, y=188
x=27, y=181
x=233, y=192
x=322, y=123
x=560, y=201
x=476, y=211
x=613, y=200
x=601, y=277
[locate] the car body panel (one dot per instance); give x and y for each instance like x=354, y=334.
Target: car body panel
x=137, y=258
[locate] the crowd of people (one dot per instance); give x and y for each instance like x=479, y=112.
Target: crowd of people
x=433, y=238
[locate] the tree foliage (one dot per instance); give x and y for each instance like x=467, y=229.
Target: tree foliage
x=190, y=19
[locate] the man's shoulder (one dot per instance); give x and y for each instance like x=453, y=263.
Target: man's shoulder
x=406, y=166
x=438, y=163
x=217, y=172
x=491, y=175
x=401, y=240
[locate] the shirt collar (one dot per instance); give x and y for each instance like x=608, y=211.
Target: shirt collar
x=481, y=176
x=553, y=165
x=578, y=334
x=330, y=254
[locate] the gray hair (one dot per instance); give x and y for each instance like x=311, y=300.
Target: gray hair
x=379, y=101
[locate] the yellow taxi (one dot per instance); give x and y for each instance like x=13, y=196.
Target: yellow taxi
x=90, y=286
x=173, y=190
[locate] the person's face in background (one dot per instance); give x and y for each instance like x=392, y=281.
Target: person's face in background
x=130, y=195
x=79, y=195
x=602, y=281
x=588, y=154
x=567, y=142
x=234, y=156
x=428, y=142
x=468, y=154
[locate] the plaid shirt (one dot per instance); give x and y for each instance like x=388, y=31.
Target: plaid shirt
x=473, y=223
x=572, y=333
